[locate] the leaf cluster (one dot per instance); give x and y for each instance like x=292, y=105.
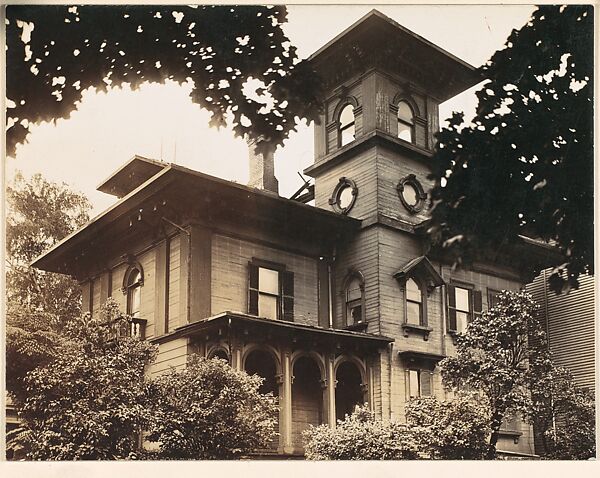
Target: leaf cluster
x=528, y=153
x=360, y=436
x=455, y=429
x=242, y=67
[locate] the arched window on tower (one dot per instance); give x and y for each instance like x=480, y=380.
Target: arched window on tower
x=406, y=122
x=347, y=129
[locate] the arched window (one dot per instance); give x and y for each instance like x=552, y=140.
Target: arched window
x=414, y=303
x=134, y=292
x=354, y=295
x=406, y=122
x=347, y=129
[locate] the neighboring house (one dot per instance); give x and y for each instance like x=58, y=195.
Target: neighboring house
x=569, y=320
x=333, y=304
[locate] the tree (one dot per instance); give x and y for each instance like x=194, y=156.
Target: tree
x=527, y=156
x=360, y=436
x=455, y=429
x=40, y=213
x=89, y=402
x=57, y=52
x=565, y=418
x=209, y=411
x=504, y=356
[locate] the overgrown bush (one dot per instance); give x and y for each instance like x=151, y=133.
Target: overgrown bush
x=455, y=429
x=360, y=436
x=209, y=411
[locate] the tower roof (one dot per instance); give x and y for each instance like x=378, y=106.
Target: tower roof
x=378, y=41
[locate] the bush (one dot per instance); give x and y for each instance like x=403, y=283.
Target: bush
x=360, y=436
x=451, y=429
x=209, y=411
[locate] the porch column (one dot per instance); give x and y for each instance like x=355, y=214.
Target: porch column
x=330, y=393
x=286, y=404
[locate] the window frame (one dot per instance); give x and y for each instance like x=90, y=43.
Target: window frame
x=362, y=323
x=491, y=294
x=410, y=124
x=285, y=289
x=420, y=382
x=475, y=304
x=422, y=305
x=341, y=128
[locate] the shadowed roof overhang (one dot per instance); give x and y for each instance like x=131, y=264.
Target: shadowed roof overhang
x=177, y=191
x=277, y=329
x=378, y=41
x=131, y=175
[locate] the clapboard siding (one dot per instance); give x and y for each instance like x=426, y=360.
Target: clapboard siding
x=147, y=293
x=570, y=322
x=362, y=170
x=171, y=354
x=174, y=320
x=229, y=282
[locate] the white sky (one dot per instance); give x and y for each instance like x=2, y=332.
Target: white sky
x=160, y=121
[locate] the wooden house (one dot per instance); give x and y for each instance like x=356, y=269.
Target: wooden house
x=333, y=304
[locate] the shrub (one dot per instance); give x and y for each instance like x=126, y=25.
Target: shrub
x=209, y=411
x=454, y=429
x=360, y=436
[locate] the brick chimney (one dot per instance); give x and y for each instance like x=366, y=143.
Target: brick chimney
x=262, y=170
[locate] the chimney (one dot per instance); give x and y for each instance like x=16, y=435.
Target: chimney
x=262, y=169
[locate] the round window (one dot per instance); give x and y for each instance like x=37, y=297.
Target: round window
x=411, y=193
x=344, y=195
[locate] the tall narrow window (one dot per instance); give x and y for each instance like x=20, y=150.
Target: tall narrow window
x=414, y=303
x=347, y=129
x=354, y=302
x=271, y=292
x=268, y=293
x=463, y=304
x=134, y=286
x=406, y=122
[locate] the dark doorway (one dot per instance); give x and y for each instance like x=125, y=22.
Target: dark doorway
x=307, y=398
x=348, y=391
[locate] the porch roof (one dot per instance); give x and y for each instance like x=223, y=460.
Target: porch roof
x=278, y=328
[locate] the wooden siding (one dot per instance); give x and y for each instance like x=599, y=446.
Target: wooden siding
x=362, y=171
x=570, y=324
x=147, y=291
x=174, y=316
x=171, y=354
x=229, y=281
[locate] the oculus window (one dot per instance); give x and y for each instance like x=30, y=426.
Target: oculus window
x=411, y=194
x=344, y=195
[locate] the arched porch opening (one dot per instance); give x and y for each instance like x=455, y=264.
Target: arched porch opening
x=348, y=390
x=307, y=398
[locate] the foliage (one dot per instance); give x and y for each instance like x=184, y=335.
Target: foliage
x=222, y=50
x=527, y=155
x=209, y=411
x=40, y=213
x=565, y=417
x=454, y=429
x=360, y=436
x=503, y=354
x=89, y=403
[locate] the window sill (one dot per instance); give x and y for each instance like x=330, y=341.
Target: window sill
x=360, y=327
x=417, y=329
x=515, y=435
